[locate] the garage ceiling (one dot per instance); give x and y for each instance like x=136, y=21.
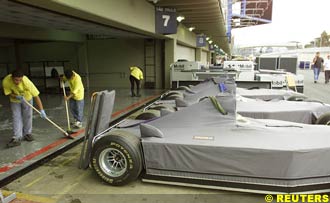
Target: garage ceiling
x=205, y=15
x=12, y=12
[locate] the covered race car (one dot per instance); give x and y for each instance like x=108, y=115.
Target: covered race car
x=270, y=94
x=305, y=111
x=205, y=145
x=260, y=103
x=211, y=86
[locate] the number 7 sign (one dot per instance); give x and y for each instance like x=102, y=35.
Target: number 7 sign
x=165, y=20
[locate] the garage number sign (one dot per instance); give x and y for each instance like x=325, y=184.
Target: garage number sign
x=211, y=47
x=200, y=41
x=166, y=21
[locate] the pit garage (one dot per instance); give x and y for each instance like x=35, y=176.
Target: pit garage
x=43, y=39
x=44, y=43
x=99, y=41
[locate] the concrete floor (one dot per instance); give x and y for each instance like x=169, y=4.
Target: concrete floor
x=61, y=181
x=49, y=139
x=320, y=90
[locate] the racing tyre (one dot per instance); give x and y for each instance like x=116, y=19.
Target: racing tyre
x=296, y=98
x=185, y=88
x=116, y=158
x=173, y=97
x=171, y=94
x=147, y=115
x=162, y=107
x=253, y=88
x=313, y=100
x=324, y=119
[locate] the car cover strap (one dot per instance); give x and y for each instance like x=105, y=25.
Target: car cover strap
x=217, y=105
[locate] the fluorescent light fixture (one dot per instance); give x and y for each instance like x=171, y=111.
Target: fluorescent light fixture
x=207, y=38
x=180, y=18
x=154, y=1
x=191, y=29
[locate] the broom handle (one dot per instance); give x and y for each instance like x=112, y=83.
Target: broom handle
x=34, y=108
x=66, y=107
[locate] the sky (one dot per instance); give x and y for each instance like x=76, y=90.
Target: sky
x=292, y=20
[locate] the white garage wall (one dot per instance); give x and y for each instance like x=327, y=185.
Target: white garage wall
x=183, y=52
x=126, y=14
x=204, y=58
x=109, y=61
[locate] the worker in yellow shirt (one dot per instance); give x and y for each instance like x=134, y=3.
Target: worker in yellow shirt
x=76, y=96
x=19, y=88
x=135, y=77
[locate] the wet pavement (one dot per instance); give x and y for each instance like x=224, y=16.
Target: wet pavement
x=48, y=139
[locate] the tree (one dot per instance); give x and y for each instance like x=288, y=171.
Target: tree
x=311, y=44
x=308, y=46
x=317, y=42
x=324, y=40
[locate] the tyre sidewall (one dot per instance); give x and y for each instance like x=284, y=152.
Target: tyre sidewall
x=323, y=119
x=132, y=156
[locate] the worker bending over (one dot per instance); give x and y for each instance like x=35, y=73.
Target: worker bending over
x=135, y=77
x=21, y=90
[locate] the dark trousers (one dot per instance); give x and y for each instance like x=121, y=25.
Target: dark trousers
x=137, y=82
x=77, y=109
x=327, y=75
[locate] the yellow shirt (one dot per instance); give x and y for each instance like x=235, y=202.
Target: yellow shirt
x=76, y=86
x=26, y=88
x=136, y=72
